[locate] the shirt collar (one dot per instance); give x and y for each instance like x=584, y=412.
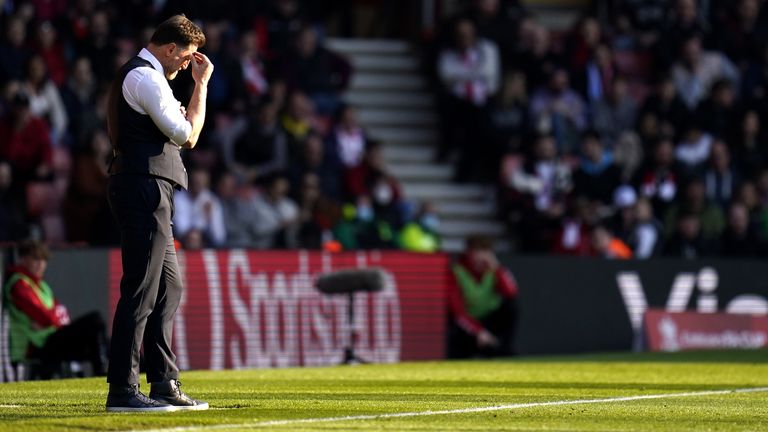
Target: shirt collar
x=148, y=56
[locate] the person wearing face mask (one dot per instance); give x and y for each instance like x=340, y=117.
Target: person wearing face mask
x=420, y=234
x=361, y=228
x=482, y=304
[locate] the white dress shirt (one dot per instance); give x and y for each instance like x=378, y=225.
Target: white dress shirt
x=147, y=91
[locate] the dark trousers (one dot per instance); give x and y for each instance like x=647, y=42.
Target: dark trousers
x=84, y=339
x=501, y=323
x=150, y=289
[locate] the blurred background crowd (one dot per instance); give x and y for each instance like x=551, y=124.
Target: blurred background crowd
x=637, y=133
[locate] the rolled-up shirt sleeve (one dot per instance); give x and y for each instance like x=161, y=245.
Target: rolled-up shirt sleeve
x=154, y=96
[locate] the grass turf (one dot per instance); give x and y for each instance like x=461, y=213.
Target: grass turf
x=251, y=397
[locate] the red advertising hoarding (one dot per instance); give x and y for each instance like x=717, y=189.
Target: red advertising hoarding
x=247, y=309
x=680, y=331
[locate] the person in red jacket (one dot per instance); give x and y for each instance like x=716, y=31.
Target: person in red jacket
x=482, y=302
x=40, y=327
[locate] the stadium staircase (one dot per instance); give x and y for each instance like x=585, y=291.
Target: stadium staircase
x=395, y=105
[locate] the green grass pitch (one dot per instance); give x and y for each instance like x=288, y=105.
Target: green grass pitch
x=576, y=393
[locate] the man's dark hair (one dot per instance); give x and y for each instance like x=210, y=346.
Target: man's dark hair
x=180, y=30
x=32, y=248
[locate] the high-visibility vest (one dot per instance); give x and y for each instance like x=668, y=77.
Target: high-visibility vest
x=23, y=331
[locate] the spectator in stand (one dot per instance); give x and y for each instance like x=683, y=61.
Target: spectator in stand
x=318, y=160
x=755, y=82
x=52, y=51
x=647, y=235
x=658, y=180
x=98, y=44
x=693, y=150
x=541, y=185
x=758, y=212
x=40, y=326
x=469, y=71
x=496, y=22
x=86, y=212
x=573, y=237
x=25, y=142
x=317, y=214
x=740, y=32
x=635, y=224
x=615, y=113
x=79, y=97
x=666, y=107
x=13, y=52
x=509, y=115
x=276, y=221
x=252, y=66
x=597, y=175
x=238, y=211
x=606, y=245
x=197, y=211
x=316, y=71
x=420, y=234
x=535, y=54
x=741, y=239
x=594, y=80
x=371, y=179
x=284, y=19
x=697, y=70
x=583, y=42
x=482, y=303
x=44, y=98
x=646, y=18
x=348, y=140
x=225, y=86
x=13, y=224
x=559, y=109
x=694, y=202
x=360, y=227
x=683, y=20
x=688, y=241
x=719, y=113
x=749, y=152
x=298, y=121
x=262, y=150
x=720, y=179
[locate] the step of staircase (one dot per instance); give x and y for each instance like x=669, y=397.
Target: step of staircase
x=397, y=153
x=403, y=134
x=446, y=192
x=382, y=63
x=368, y=46
x=396, y=117
x=454, y=244
x=421, y=172
x=385, y=99
x=480, y=227
x=461, y=209
x=387, y=81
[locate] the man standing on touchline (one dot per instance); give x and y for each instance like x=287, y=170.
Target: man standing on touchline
x=148, y=127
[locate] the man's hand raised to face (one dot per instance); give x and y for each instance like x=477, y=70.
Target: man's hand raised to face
x=202, y=68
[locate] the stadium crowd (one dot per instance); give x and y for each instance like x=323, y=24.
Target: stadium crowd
x=282, y=161
x=638, y=134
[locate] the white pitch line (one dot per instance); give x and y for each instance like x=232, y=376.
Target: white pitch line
x=269, y=423
x=10, y=406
